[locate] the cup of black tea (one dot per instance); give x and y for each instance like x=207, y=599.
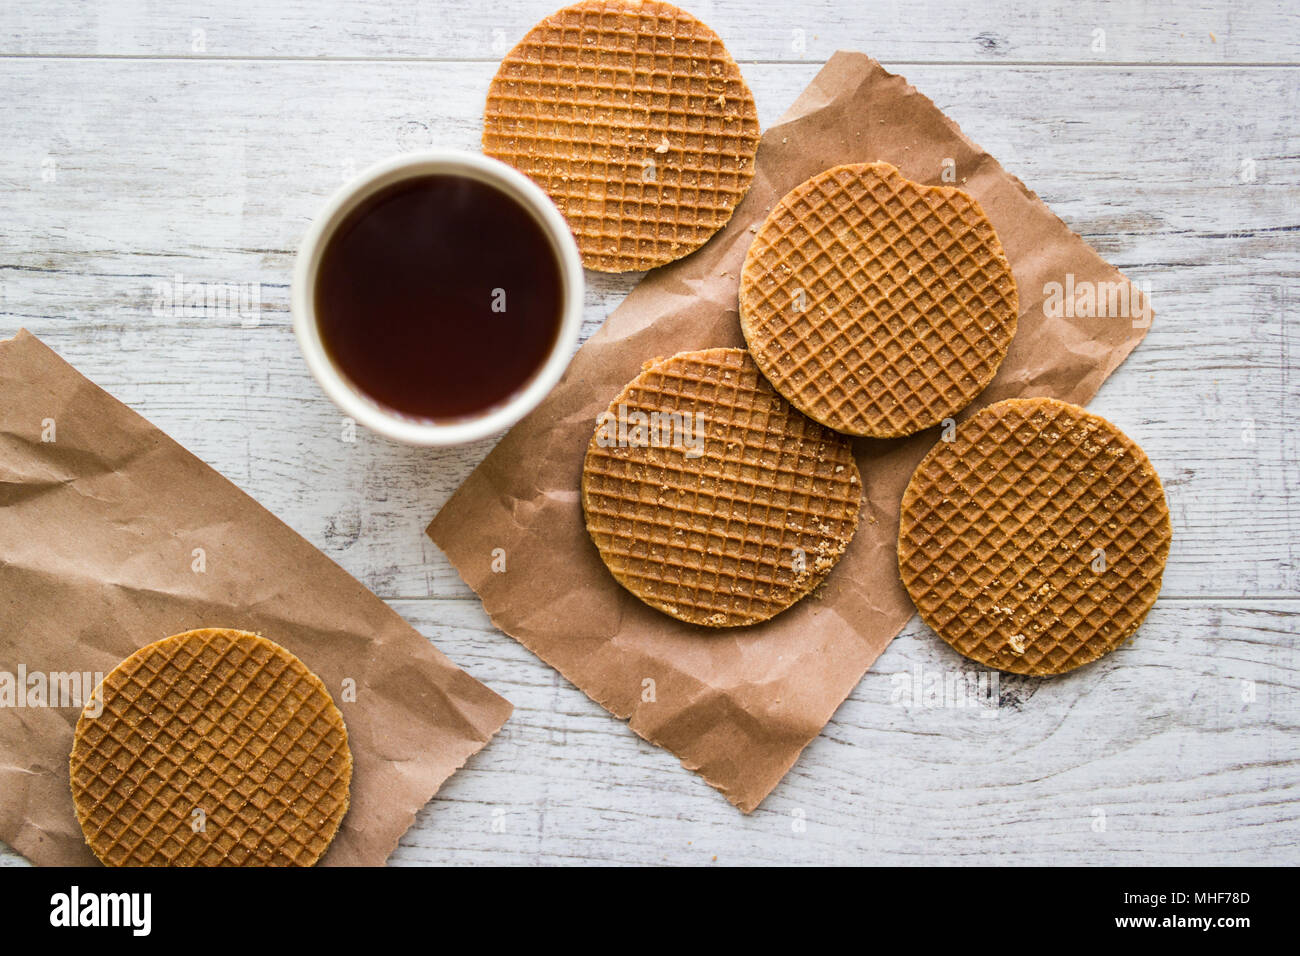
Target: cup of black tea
x=438, y=297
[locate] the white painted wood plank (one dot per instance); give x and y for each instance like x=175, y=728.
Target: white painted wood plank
x=117, y=174
x=1157, y=736
x=1159, y=740
x=996, y=31
x=122, y=175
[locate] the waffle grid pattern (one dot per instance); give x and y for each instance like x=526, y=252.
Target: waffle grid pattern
x=635, y=120
x=877, y=306
x=712, y=540
x=219, y=721
x=999, y=530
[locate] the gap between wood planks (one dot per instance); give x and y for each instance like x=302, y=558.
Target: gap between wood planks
x=888, y=64
x=1226, y=600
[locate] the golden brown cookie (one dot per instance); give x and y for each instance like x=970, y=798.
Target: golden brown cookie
x=635, y=119
x=1035, y=540
x=876, y=305
x=211, y=748
x=710, y=498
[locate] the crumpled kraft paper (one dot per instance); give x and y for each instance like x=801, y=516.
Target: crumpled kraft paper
x=738, y=706
x=113, y=536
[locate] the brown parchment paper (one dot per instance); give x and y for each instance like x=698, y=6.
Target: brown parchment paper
x=98, y=531
x=739, y=706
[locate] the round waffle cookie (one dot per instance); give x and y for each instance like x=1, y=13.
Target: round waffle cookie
x=710, y=498
x=635, y=119
x=876, y=305
x=1034, y=541
x=211, y=748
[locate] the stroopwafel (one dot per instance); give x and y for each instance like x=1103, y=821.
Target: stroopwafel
x=634, y=118
x=710, y=498
x=876, y=305
x=210, y=748
x=1034, y=541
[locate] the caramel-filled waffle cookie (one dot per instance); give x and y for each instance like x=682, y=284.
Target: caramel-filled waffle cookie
x=1034, y=541
x=635, y=120
x=710, y=498
x=876, y=305
x=211, y=748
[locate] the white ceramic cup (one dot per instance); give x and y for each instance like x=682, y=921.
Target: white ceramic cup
x=357, y=404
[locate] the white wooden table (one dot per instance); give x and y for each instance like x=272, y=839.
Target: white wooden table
x=145, y=141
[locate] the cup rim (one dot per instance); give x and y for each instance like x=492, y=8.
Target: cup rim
x=354, y=403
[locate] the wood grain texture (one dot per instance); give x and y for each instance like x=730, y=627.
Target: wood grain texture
x=211, y=171
x=1157, y=737
x=1156, y=744
x=993, y=31
x=130, y=159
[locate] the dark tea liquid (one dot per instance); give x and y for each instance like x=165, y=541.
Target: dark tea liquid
x=439, y=297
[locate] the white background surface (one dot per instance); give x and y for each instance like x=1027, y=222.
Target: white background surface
x=144, y=140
